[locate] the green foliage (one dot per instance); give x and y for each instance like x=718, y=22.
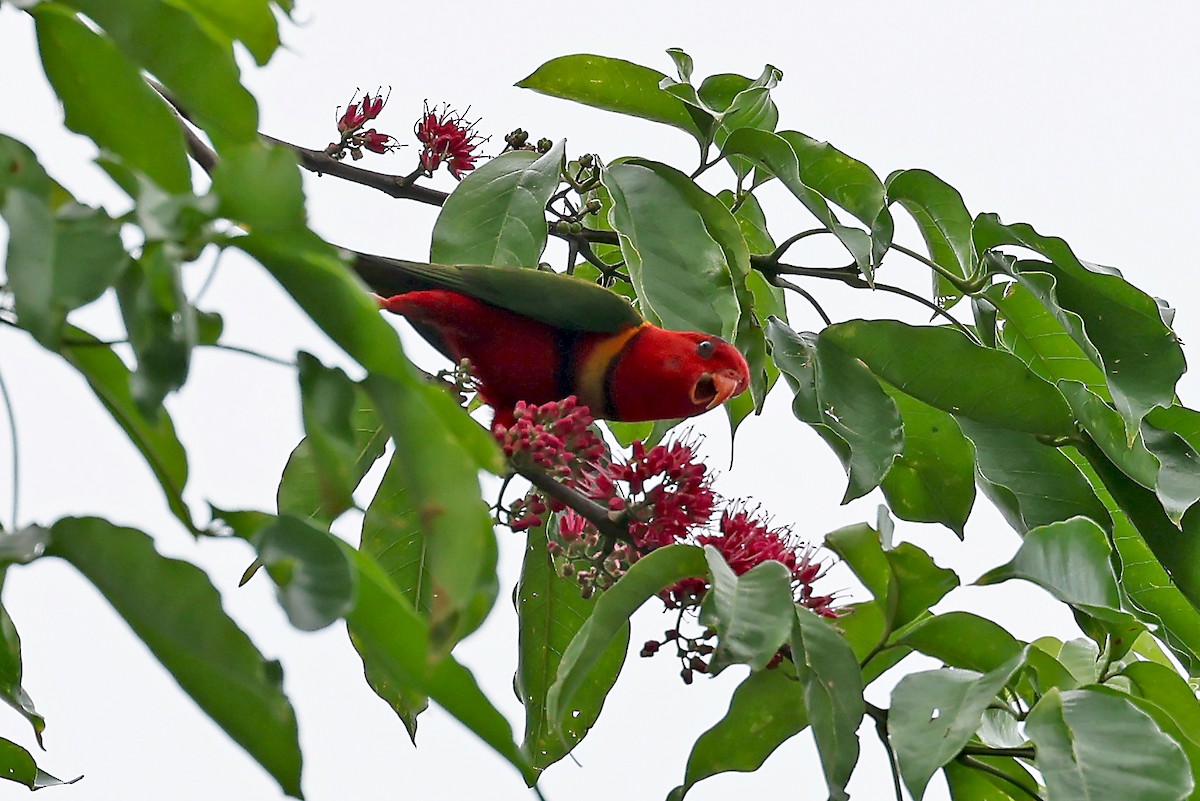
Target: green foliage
x=1057, y=400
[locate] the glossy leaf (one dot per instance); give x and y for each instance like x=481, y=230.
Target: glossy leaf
x=944, y=222
x=935, y=713
x=1083, y=752
x=160, y=323
x=829, y=673
x=314, y=581
x=843, y=402
x=102, y=91
x=682, y=248
x=169, y=42
x=751, y=613
x=550, y=611
x=933, y=479
x=11, y=672
x=1116, y=324
x=766, y=710
x=962, y=640
x=654, y=572
x=1161, y=693
x=1030, y=482
x=174, y=609
x=111, y=380
x=740, y=103
x=497, y=214
x=972, y=784
x=777, y=156
x=17, y=765
x=613, y=85
x=394, y=643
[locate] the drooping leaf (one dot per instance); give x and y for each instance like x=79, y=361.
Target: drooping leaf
x=551, y=611
x=314, y=581
x=174, y=609
x=658, y=570
x=944, y=222
x=947, y=371
x=766, y=710
x=829, y=673
x=1083, y=749
x=935, y=713
x=751, y=613
x=160, y=323
x=17, y=765
x=11, y=672
x=683, y=249
x=102, y=92
x=497, y=214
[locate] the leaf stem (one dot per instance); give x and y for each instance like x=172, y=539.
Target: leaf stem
x=777, y=254
x=967, y=287
x=786, y=284
x=880, y=717
x=976, y=764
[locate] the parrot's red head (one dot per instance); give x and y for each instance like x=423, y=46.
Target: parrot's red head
x=665, y=374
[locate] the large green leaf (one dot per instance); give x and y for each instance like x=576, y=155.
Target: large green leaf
x=104, y=94
x=778, y=156
x=614, y=85
x=1161, y=693
x=829, y=673
x=393, y=640
x=497, y=214
x=683, y=249
x=1083, y=743
x=155, y=437
x=944, y=222
x=751, y=613
x=947, y=371
x=314, y=580
x=1030, y=482
x=17, y=765
x=160, y=324
x=962, y=640
x=11, y=672
x=766, y=710
x=1117, y=325
x=610, y=616
x=181, y=51
x=933, y=479
x=174, y=609
x=550, y=611
x=842, y=401
x=935, y=713
x=252, y=23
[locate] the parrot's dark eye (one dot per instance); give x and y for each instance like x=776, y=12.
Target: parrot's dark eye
x=706, y=349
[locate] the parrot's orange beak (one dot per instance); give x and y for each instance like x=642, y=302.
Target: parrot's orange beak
x=713, y=389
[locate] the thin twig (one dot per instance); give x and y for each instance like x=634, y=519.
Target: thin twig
x=777, y=254
x=266, y=357
x=976, y=764
x=16, y=452
x=880, y=716
x=1027, y=752
x=786, y=284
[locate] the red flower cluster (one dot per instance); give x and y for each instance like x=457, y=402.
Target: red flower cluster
x=681, y=500
x=447, y=137
x=353, y=138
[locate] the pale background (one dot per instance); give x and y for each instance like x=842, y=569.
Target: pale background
x=1078, y=117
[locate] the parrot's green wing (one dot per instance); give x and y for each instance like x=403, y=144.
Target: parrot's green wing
x=560, y=301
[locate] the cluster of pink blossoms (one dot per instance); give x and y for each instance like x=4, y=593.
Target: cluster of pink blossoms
x=448, y=137
x=350, y=128
x=661, y=495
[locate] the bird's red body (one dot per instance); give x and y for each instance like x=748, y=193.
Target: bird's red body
x=638, y=372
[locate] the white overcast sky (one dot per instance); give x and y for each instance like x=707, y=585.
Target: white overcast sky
x=1077, y=117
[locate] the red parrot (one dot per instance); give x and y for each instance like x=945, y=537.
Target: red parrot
x=538, y=336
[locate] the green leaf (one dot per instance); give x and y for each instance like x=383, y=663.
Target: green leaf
x=550, y=611
x=17, y=765
x=945, y=370
x=753, y=222
x=944, y=222
x=683, y=249
x=970, y=784
x=251, y=23
x=683, y=63
x=25, y=204
x=394, y=643
x=314, y=580
x=864, y=627
x=751, y=613
x=10, y=675
x=103, y=93
x=740, y=103
x=766, y=710
x=176, y=612
x=778, y=156
x=310, y=486
x=933, y=479
x=198, y=69
x=842, y=401
x=497, y=214
x=161, y=325
x=1117, y=325
x=962, y=640
x=1161, y=693
x=850, y=184
x=656, y=571
x=111, y=380
x=828, y=671
x=1030, y=482
x=1083, y=749
x=935, y=713
x=613, y=85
